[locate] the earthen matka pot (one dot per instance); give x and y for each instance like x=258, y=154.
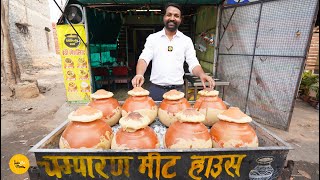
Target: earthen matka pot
x=139, y=101
x=86, y=129
x=233, y=130
x=144, y=138
x=172, y=103
x=110, y=107
x=135, y=133
x=188, y=131
x=210, y=105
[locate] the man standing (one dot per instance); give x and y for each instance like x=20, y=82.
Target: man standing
x=168, y=49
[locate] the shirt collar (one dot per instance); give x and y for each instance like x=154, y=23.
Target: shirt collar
x=163, y=33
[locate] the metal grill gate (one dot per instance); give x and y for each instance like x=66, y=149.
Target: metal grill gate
x=262, y=49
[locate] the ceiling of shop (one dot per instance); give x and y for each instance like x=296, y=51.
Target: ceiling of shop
x=160, y=2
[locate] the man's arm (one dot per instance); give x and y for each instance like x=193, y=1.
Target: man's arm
x=144, y=59
x=198, y=71
x=141, y=68
x=194, y=66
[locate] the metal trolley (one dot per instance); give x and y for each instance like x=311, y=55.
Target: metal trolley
x=263, y=162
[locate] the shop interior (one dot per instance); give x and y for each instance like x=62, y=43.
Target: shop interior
x=117, y=33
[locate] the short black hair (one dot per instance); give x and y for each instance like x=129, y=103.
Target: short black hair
x=174, y=5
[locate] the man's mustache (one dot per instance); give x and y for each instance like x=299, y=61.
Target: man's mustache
x=172, y=22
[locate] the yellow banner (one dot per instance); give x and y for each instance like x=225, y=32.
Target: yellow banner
x=74, y=64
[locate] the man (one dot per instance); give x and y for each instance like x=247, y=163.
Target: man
x=168, y=49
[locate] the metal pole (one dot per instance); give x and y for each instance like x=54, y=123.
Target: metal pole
x=216, y=47
x=101, y=62
x=88, y=48
x=127, y=49
x=229, y=21
x=266, y=55
x=254, y=51
x=218, y=41
x=302, y=66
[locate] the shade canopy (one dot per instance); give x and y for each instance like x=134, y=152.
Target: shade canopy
x=160, y=2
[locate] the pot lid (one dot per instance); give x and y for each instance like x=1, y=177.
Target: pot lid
x=134, y=121
x=101, y=94
x=190, y=115
x=173, y=95
x=208, y=92
x=138, y=91
x=234, y=114
x=85, y=114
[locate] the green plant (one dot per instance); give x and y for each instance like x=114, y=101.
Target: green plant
x=308, y=79
x=315, y=87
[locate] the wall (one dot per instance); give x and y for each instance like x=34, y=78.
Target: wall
x=55, y=37
x=34, y=46
x=206, y=21
x=312, y=62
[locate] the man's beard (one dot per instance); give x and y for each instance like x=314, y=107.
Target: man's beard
x=171, y=28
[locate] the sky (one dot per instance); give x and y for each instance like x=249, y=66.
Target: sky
x=54, y=10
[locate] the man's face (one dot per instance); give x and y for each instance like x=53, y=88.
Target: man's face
x=172, y=18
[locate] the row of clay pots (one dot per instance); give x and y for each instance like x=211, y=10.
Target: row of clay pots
x=89, y=126
x=138, y=101
x=88, y=130
x=186, y=128
x=208, y=104
x=232, y=130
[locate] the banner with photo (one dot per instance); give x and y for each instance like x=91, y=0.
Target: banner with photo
x=74, y=64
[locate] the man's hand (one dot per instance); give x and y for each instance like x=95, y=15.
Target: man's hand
x=198, y=71
x=204, y=77
x=138, y=80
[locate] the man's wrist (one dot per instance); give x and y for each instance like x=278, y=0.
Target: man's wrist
x=140, y=75
x=202, y=74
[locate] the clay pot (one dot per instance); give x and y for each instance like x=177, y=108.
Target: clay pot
x=172, y=103
x=233, y=130
x=210, y=105
x=86, y=130
x=110, y=107
x=139, y=101
x=188, y=131
x=135, y=133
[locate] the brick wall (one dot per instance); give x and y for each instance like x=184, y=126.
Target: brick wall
x=31, y=32
x=312, y=62
x=55, y=37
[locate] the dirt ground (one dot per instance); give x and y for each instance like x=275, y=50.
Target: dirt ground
x=23, y=121
x=303, y=136
x=26, y=122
